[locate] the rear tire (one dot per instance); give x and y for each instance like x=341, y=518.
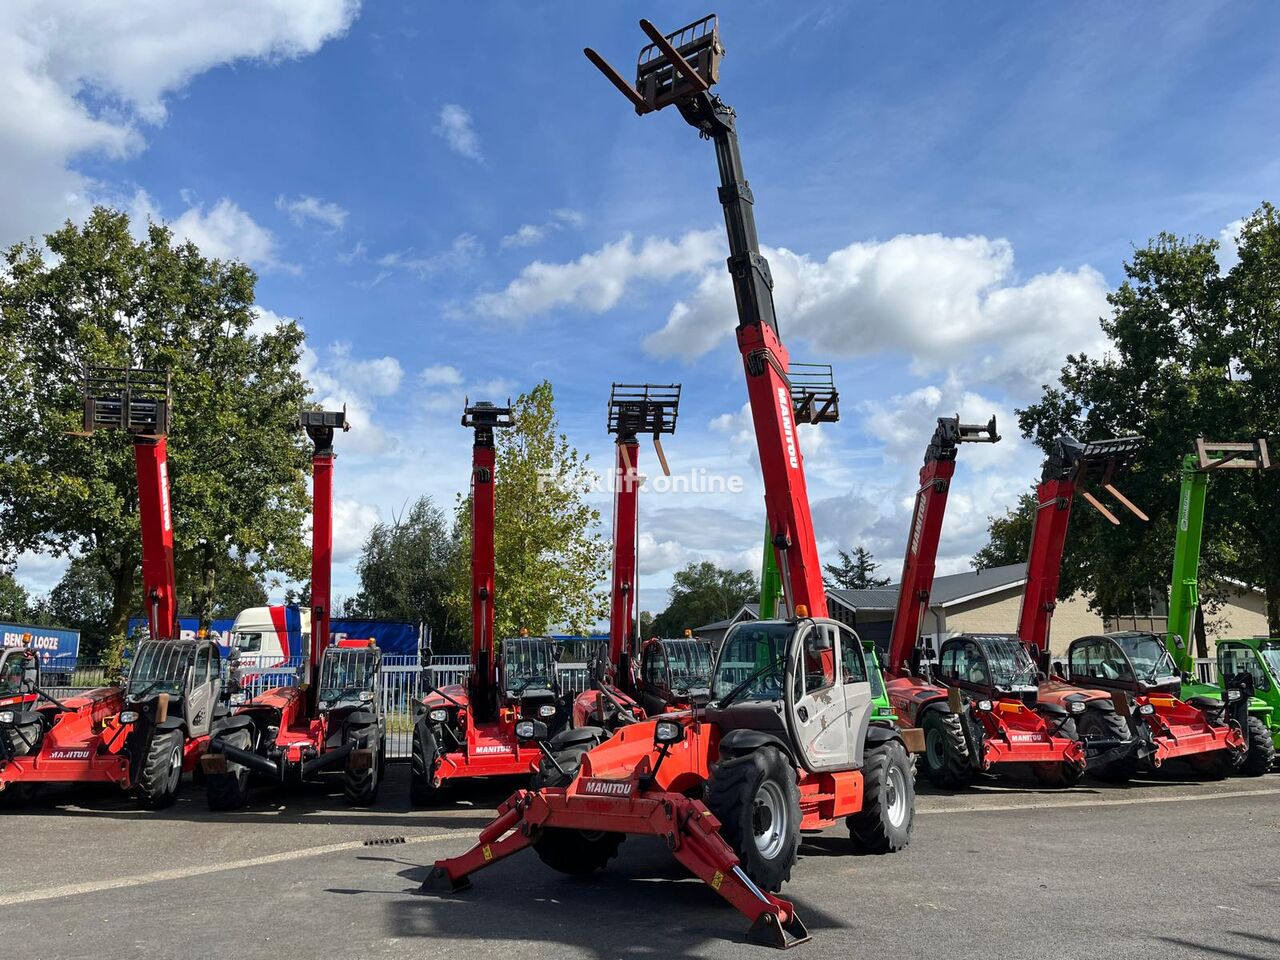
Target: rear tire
x=361, y=786
x=1064, y=774
x=1260, y=753
x=230, y=790
x=18, y=795
x=946, y=751
x=1217, y=765
x=757, y=801
x=1110, y=725
x=423, y=791
x=575, y=852
x=161, y=770
x=888, y=801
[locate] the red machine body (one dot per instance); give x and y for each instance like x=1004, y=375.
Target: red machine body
x=1143, y=721
x=641, y=779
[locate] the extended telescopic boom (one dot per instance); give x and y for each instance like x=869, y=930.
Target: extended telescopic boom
x=320, y=426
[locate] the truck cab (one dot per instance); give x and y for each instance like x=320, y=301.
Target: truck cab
x=675, y=674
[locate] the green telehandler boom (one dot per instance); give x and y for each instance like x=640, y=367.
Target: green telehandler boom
x=1245, y=666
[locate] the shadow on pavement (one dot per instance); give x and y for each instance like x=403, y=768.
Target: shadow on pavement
x=1256, y=947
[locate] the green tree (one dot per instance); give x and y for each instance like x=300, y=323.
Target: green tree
x=1008, y=536
x=82, y=601
x=236, y=464
x=855, y=571
x=404, y=570
x=704, y=593
x=550, y=565
x=14, y=601
x=1194, y=352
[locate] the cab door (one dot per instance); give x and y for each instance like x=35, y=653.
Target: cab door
x=856, y=679
x=815, y=698
x=206, y=684
x=655, y=679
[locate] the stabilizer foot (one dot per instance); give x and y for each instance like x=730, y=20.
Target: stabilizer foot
x=439, y=881
x=768, y=932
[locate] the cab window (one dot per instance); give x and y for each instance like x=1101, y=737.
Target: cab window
x=855, y=668
x=1235, y=659
x=653, y=673
x=1101, y=659
x=819, y=658
x=203, y=661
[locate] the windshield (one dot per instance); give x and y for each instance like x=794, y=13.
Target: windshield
x=1269, y=651
x=1149, y=656
x=690, y=662
x=1011, y=665
x=753, y=657
x=346, y=673
x=528, y=664
x=247, y=642
x=12, y=672
x=160, y=666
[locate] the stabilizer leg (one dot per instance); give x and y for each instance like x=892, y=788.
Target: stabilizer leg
x=499, y=840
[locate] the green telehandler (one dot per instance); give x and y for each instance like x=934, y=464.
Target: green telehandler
x=1248, y=669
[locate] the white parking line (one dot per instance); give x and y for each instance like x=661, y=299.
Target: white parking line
x=1062, y=804
x=195, y=870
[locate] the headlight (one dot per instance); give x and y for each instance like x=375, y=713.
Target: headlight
x=1146, y=709
x=984, y=705
x=366, y=696
x=667, y=732
x=524, y=730
x=7, y=716
x=439, y=715
x=236, y=698
x=1077, y=706
x=1234, y=694
x=128, y=716
x=547, y=710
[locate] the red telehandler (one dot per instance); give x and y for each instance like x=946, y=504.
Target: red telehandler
x=786, y=742
x=1121, y=688
x=615, y=695
x=976, y=701
x=144, y=736
x=332, y=719
x=465, y=731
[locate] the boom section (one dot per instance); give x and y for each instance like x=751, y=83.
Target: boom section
x=921, y=557
x=320, y=426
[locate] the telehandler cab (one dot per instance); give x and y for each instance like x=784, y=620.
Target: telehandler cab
x=1120, y=688
x=141, y=737
x=1248, y=662
x=465, y=731
x=332, y=718
x=787, y=742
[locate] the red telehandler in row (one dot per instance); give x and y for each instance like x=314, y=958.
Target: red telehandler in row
x=468, y=730
x=976, y=699
x=1121, y=688
x=332, y=718
x=144, y=736
x=786, y=742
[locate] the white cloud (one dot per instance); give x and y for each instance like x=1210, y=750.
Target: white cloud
x=596, y=281
x=939, y=300
x=531, y=234
x=456, y=129
x=224, y=231
x=352, y=522
x=441, y=373
x=1229, y=243
x=84, y=78
x=313, y=209
x=264, y=320
x=339, y=379
x=464, y=251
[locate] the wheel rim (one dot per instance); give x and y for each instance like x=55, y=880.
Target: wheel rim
x=769, y=820
x=933, y=748
x=895, y=796
x=175, y=767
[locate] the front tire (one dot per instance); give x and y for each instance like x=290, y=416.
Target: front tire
x=360, y=786
x=946, y=751
x=230, y=790
x=423, y=791
x=161, y=770
x=888, y=801
x=1064, y=774
x=1260, y=752
x=757, y=801
x=575, y=852
x=1107, y=724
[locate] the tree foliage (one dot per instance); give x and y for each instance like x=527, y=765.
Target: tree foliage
x=1195, y=351
x=236, y=462
x=854, y=571
x=14, y=601
x=404, y=573
x=549, y=563
x=703, y=593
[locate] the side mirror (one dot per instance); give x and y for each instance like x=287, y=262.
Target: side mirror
x=667, y=732
x=1186, y=677
x=527, y=730
x=556, y=652
x=426, y=655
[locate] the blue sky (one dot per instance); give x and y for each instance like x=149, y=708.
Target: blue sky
x=451, y=200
